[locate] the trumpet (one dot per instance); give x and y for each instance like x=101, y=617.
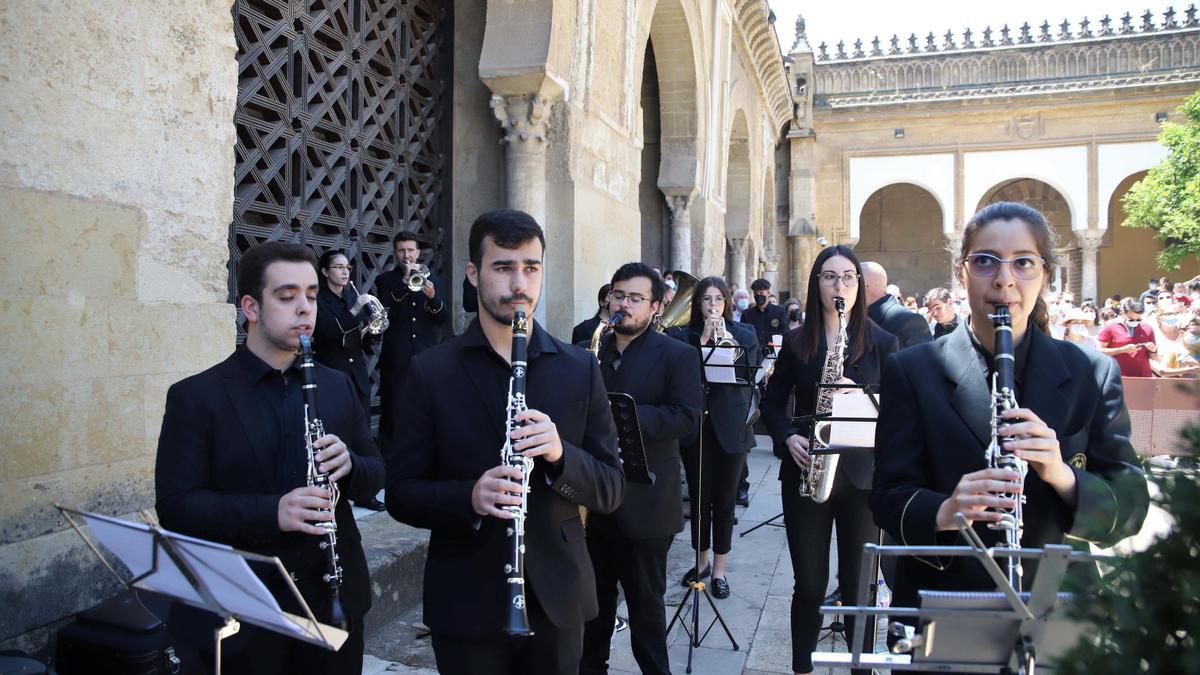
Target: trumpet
x=415, y=276
x=721, y=335
x=379, y=318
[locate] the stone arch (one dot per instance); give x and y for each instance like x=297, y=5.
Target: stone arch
x=1126, y=258
x=655, y=219
x=675, y=33
x=932, y=173
x=738, y=178
x=901, y=229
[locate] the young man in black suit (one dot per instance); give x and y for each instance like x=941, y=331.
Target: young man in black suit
x=908, y=326
x=444, y=469
x=630, y=546
x=765, y=318
x=232, y=466
x=415, y=319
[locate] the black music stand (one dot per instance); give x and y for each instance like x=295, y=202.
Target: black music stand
x=203, y=574
x=629, y=439
x=698, y=587
x=973, y=632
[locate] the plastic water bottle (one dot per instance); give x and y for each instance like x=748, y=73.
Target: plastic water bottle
x=883, y=595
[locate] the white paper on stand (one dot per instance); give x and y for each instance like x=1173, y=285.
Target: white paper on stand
x=853, y=434
x=764, y=369
x=717, y=364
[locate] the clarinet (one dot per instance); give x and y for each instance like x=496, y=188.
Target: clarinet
x=314, y=429
x=1004, y=398
x=516, y=619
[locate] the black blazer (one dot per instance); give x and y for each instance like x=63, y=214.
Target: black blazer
x=936, y=423
x=771, y=320
x=795, y=376
x=414, y=320
x=728, y=405
x=338, y=340
x=663, y=377
x=905, y=324
x=215, y=479
x=582, y=332
x=444, y=440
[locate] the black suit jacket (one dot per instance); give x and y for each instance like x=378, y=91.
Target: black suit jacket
x=795, y=376
x=905, y=324
x=582, y=332
x=414, y=320
x=216, y=479
x=663, y=377
x=935, y=425
x=447, y=437
x=338, y=340
x=728, y=405
x=771, y=320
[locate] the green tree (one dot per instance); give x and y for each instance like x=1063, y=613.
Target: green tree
x=1168, y=198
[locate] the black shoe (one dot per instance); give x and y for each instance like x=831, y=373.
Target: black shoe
x=690, y=577
x=373, y=504
x=720, y=588
x=743, y=498
x=834, y=598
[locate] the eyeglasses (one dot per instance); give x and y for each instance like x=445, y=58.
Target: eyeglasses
x=635, y=299
x=832, y=278
x=713, y=299
x=985, y=266
x=340, y=268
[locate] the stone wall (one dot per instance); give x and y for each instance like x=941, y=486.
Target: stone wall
x=116, y=171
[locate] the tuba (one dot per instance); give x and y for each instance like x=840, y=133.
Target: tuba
x=679, y=311
x=817, y=480
x=379, y=318
x=1004, y=398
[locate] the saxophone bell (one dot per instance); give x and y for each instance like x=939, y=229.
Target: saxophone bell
x=817, y=480
x=601, y=330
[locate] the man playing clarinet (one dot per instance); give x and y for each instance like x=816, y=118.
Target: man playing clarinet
x=445, y=474
x=232, y=467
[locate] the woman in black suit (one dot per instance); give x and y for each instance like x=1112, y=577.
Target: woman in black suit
x=1071, y=425
x=836, y=273
x=338, y=337
x=715, y=458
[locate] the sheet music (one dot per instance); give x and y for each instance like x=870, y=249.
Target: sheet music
x=764, y=369
x=853, y=434
x=717, y=362
x=130, y=543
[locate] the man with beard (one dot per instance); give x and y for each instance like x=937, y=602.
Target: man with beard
x=232, y=468
x=443, y=472
x=630, y=546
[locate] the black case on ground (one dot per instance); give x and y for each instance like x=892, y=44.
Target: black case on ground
x=119, y=637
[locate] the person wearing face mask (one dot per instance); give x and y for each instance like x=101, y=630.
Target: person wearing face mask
x=1076, y=326
x=1172, y=358
x=764, y=318
x=1191, y=338
x=1071, y=424
x=741, y=303
x=1129, y=341
x=795, y=313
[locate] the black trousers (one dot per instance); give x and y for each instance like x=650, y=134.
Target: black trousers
x=712, y=500
x=549, y=651
x=640, y=566
x=809, y=530
x=391, y=385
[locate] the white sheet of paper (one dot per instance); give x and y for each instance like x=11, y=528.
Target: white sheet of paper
x=235, y=585
x=716, y=364
x=132, y=544
x=853, y=434
x=764, y=369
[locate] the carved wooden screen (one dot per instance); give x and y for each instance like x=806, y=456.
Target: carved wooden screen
x=342, y=120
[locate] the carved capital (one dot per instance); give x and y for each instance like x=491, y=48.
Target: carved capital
x=739, y=246
x=770, y=262
x=524, y=118
x=680, y=206
x=1089, y=240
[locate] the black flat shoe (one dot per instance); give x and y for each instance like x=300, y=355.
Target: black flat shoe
x=690, y=577
x=372, y=504
x=720, y=588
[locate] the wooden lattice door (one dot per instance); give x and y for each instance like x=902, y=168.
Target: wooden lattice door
x=342, y=123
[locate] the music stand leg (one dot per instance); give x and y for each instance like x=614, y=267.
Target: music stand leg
x=770, y=521
x=231, y=627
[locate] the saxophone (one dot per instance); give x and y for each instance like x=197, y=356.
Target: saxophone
x=817, y=481
x=601, y=330
x=516, y=619
x=314, y=429
x=1004, y=398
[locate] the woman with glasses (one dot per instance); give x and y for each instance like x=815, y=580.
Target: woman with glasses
x=341, y=315
x=713, y=460
x=1071, y=425
x=835, y=274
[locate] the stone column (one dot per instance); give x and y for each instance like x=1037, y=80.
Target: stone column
x=681, y=231
x=524, y=119
x=771, y=271
x=1089, y=245
x=739, y=261
x=954, y=241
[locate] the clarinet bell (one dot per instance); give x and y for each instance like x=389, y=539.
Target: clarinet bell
x=337, y=615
